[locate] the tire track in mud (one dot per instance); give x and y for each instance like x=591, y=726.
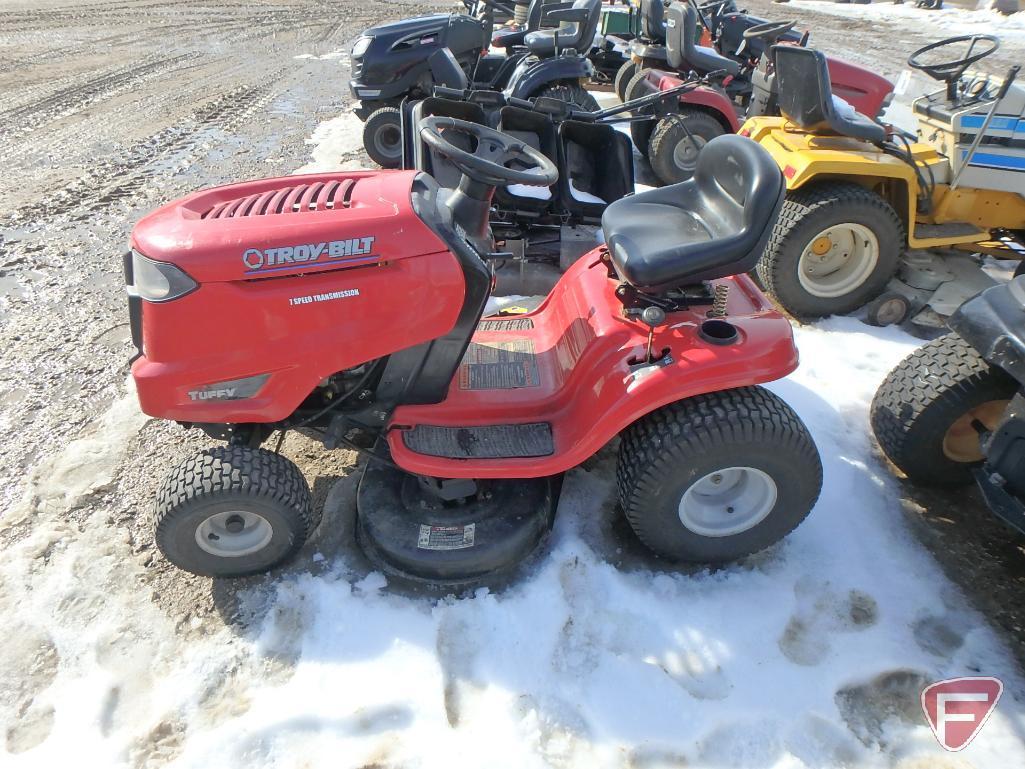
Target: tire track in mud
x=115, y=179
x=72, y=98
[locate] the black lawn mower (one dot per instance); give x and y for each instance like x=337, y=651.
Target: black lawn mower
x=390, y=63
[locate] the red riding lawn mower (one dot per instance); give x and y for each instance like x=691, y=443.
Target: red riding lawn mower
x=672, y=139
x=349, y=306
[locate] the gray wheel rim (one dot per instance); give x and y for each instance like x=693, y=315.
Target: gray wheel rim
x=221, y=536
x=728, y=501
x=685, y=153
x=387, y=140
x=838, y=260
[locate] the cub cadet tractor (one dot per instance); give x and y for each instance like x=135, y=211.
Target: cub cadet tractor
x=867, y=207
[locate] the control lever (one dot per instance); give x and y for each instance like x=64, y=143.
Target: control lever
x=652, y=317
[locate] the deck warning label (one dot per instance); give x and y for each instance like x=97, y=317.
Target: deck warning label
x=499, y=365
x=446, y=537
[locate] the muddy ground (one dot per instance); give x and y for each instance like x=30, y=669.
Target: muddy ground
x=108, y=109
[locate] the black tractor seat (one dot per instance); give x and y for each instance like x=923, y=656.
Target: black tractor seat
x=683, y=53
x=712, y=225
x=510, y=37
x=575, y=31
x=805, y=97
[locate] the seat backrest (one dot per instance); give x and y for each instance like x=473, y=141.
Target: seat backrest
x=653, y=25
x=445, y=70
x=805, y=96
x=699, y=57
x=580, y=35
x=676, y=24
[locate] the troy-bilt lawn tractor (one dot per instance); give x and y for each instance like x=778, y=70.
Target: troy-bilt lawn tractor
x=860, y=193
x=954, y=410
x=674, y=137
x=390, y=62
x=349, y=306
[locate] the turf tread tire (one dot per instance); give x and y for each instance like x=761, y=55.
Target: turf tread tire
x=623, y=75
x=657, y=446
x=777, y=268
x=921, y=398
x=223, y=471
x=384, y=116
x=571, y=93
x=669, y=131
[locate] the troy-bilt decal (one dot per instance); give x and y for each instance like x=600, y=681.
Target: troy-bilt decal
x=287, y=257
x=345, y=294
x=957, y=708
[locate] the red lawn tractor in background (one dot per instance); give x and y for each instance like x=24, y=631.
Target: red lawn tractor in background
x=673, y=138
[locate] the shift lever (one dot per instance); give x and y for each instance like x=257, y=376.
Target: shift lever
x=652, y=317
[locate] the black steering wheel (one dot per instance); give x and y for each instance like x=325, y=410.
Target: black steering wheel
x=487, y=163
x=951, y=70
x=770, y=30
x=714, y=5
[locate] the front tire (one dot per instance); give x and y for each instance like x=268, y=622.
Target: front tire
x=676, y=142
x=718, y=476
x=382, y=137
x=834, y=248
x=623, y=75
x=640, y=131
x=923, y=412
x=232, y=511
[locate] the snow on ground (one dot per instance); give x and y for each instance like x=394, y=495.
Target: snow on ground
x=949, y=20
x=809, y=655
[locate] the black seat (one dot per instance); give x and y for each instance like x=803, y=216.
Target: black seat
x=575, y=31
x=509, y=37
x=653, y=21
x=806, y=97
x=681, y=32
x=712, y=225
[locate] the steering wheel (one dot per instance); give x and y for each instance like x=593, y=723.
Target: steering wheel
x=487, y=163
x=713, y=6
x=950, y=71
x=770, y=30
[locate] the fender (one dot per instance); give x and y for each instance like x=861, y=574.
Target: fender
x=531, y=75
x=994, y=324
x=711, y=99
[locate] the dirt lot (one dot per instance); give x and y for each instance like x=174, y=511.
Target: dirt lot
x=110, y=108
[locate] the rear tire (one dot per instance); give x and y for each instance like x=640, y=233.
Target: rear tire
x=676, y=142
x=718, y=476
x=382, y=137
x=623, y=75
x=922, y=412
x=633, y=88
x=862, y=239
x=571, y=93
x=232, y=511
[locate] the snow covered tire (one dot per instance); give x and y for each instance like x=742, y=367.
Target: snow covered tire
x=669, y=452
x=919, y=402
x=251, y=508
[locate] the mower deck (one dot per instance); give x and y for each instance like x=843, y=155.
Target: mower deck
x=538, y=393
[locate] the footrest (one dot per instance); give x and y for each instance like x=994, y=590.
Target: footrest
x=948, y=230
x=486, y=442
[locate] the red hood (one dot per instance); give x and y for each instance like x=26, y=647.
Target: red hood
x=288, y=225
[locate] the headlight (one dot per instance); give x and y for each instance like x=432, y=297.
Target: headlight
x=361, y=46
x=159, y=281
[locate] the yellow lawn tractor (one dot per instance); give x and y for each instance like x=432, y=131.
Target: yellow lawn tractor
x=880, y=217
